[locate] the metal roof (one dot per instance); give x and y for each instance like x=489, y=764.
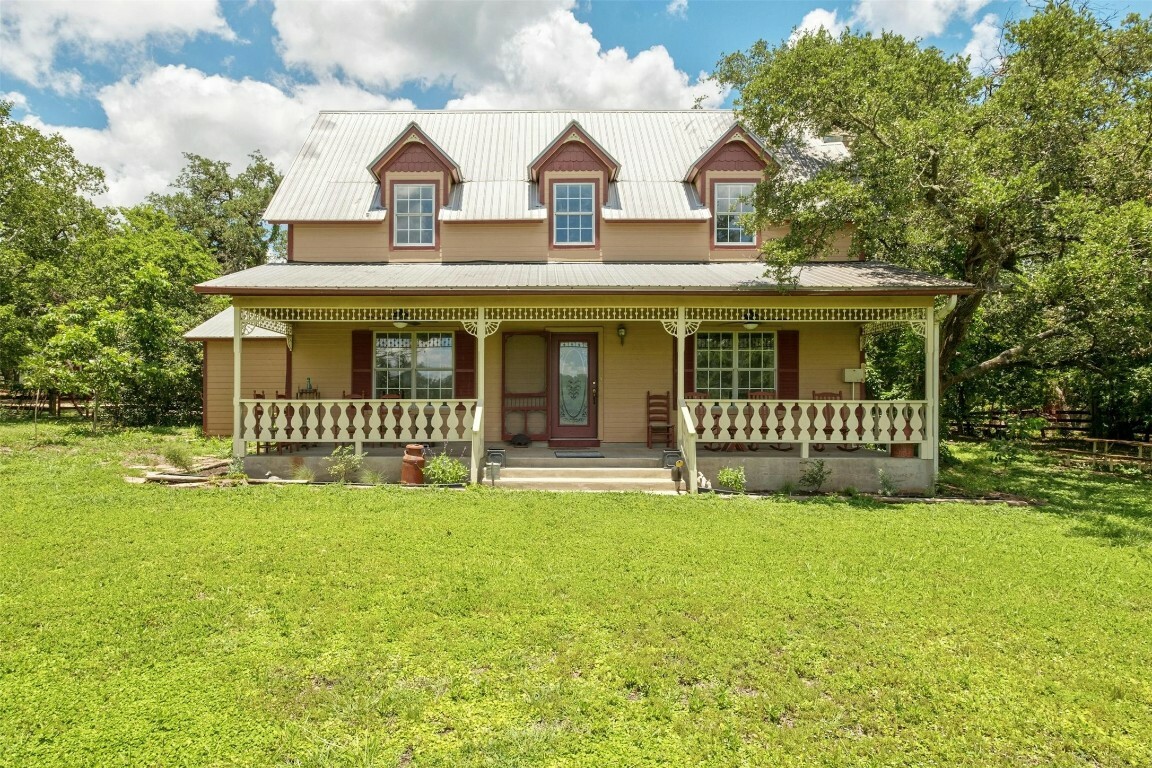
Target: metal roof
x=219, y=326
x=869, y=277
x=329, y=180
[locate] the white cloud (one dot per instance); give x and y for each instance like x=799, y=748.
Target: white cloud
x=558, y=63
x=387, y=44
x=154, y=118
x=33, y=33
x=816, y=19
x=912, y=18
x=16, y=99
x=677, y=8
x=983, y=50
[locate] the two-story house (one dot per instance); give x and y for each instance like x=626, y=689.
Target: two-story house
x=472, y=277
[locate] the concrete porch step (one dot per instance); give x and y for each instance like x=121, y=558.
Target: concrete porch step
x=618, y=462
x=569, y=478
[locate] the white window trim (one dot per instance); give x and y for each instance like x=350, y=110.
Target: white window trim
x=735, y=369
x=396, y=215
x=412, y=333
x=555, y=213
x=716, y=185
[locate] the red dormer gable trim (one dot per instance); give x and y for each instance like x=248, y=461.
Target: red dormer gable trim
x=573, y=132
x=415, y=151
x=736, y=150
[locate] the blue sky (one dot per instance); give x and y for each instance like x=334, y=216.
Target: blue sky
x=132, y=84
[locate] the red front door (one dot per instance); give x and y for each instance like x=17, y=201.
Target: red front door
x=573, y=389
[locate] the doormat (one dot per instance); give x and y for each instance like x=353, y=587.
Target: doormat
x=579, y=455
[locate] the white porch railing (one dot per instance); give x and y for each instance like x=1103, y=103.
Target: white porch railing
x=808, y=421
x=358, y=421
x=686, y=429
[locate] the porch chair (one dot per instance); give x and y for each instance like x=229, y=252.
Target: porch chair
x=828, y=411
x=659, y=419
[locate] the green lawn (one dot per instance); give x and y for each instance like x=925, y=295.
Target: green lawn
x=315, y=626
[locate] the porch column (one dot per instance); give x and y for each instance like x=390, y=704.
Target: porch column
x=681, y=333
x=238, y=445
x=931, y=443
x=478, y=424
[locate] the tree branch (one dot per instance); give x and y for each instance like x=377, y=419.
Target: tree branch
x=1007, y=357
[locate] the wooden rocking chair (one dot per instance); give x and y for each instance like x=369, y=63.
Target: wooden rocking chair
x=659, y=419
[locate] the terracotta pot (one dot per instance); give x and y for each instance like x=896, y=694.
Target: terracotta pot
x=412, y=465
x=903, y=450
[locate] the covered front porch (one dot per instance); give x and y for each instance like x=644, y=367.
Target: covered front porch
x=628, y=351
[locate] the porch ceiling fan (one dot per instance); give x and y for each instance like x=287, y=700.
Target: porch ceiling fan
x=402, y=318
x=751, y=320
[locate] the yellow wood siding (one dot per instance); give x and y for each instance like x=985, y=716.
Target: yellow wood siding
x=264, y=364
x=494, y=241
x=645, y=362
x=526, y=241
x=340, y=243
x=825, y=351
x=654, y=241
x=323, y=352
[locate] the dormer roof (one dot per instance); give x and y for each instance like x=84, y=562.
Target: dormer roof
x=414, y=135
x=735, y=135
x=573, y=132
x=490, y=155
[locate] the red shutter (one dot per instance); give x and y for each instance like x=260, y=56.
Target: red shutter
x=362, y=363
x=465, y=365
x=689, y=363
x=788, y=365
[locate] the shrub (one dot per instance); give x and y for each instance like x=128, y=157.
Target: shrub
x=177, y=455
x=787, y=488
x=445, y=469
x=371, y=477
x=815, y=474
x=303, y=472
x=887, y=485
x=344, y=463
x=733, y=478
x=236, y=469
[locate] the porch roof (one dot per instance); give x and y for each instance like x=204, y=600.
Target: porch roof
x=219, y=326
x=856, y=278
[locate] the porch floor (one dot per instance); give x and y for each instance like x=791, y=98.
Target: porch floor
x=609, y=451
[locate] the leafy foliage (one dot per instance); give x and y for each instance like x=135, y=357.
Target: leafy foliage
x=814, y=474
x=344, y=463
x=224, y=212
x=733, y=478
x=1031, y=181
x=445, y=469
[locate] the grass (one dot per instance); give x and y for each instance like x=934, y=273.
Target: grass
x=315, y=626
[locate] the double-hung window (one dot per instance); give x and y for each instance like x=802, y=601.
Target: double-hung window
x=733, y=201
x=730, y=365
x=414, y=364
x=414, y=214
x=573, y=213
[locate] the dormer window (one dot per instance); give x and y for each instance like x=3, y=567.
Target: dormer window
x=732, y=202
x=414, y=206
x=574, y=213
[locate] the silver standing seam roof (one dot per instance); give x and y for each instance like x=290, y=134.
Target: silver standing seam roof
x=868, y=277
x=330, y=179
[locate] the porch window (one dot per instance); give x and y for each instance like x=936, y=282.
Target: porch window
x=573, y=214
x=730, y=365
x=414, y=365
x=414, y=206
x=731, y=203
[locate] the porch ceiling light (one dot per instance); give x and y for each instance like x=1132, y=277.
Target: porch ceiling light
x=621, y=331
x=400, y=318
x=751, y=320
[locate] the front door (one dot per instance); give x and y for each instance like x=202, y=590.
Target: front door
x=573, y=384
